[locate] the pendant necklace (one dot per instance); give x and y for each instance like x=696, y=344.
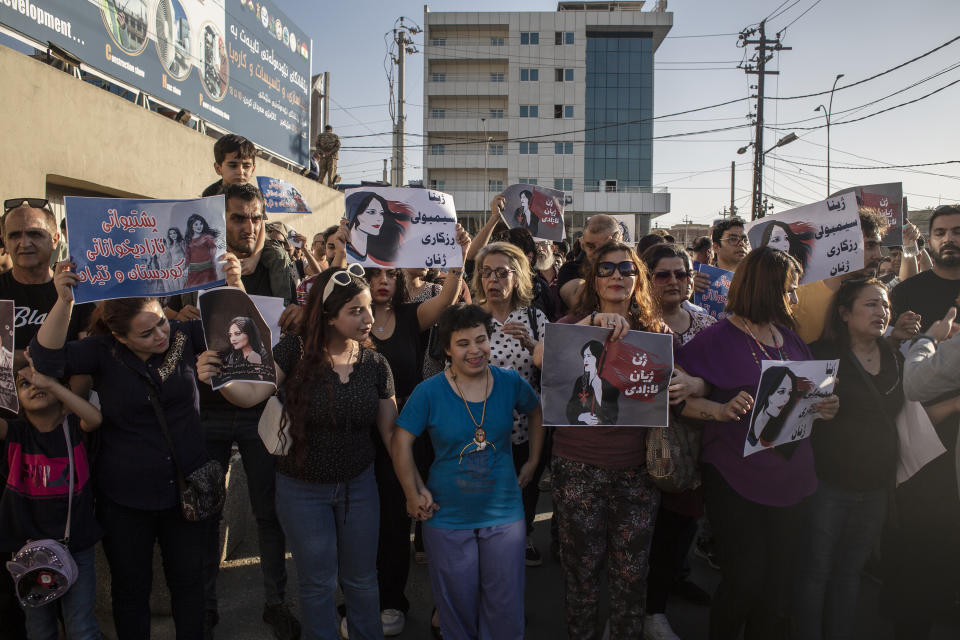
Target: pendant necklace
x=479, y=435
x=778, y=347
x=383, y=327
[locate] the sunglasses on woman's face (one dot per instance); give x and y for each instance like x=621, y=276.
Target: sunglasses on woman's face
x=662, y=277
x=342, y=278
x=627, y=268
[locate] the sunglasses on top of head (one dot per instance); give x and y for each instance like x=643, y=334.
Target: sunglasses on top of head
x=626, y=268
x=16, y=203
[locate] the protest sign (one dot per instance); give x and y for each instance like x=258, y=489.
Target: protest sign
x=8, y=387
x=628, y=226
x=402, y=227
x=589, y=380
x=281, y=196
x=784, y=409
x=539, y=210
x=126, y=248
x=714, y=299
x=271, y=309
x=887, y=200
x=824, y=237
x=234, y=328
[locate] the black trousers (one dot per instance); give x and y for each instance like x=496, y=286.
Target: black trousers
x=755, y=545
x=672, y=537
x=128, y=544
x=11, y=615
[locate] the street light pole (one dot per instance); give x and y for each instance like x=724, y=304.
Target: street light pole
x=827, y=112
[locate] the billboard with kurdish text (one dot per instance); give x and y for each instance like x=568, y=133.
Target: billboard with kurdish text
x=239, y=64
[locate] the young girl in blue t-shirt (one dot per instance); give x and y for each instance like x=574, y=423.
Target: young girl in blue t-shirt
x=35, y=500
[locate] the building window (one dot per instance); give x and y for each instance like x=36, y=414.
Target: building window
x=496, y=76
x=562, y=111
x=529, y=37
x=496, y=114
x=437, y=185
x=438, y=42
x=438, y=77
x=526, y=181
x=495, y=186
x=563, y=37
x=437, y=149
x=563, y=75
x=563, y=148
x=568, y=111
x=528, y=148
x=495, y=149
x=529, y=75
x=496, y=41
x=438, y=113
x=529, y=111
x=563, y=184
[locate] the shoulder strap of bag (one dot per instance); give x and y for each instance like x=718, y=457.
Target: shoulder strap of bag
x=66, y=435
x=532, y=319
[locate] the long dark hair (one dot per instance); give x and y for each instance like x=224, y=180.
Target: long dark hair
x=179, y=239
x=643, y=314
x=315, y=366
x=248, y=327
x=595, y=347
x=772, y=378
x=213, y=233
x=400, y=294
x=800, y=237
x=381, y=248
x=836, y=330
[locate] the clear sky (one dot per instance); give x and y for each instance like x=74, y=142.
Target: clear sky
x=858, y=38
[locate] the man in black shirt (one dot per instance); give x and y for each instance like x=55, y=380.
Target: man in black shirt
x=225, y=424
x=934, y=291
x=600, y=230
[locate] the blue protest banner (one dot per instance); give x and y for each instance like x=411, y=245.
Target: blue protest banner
x=714, y=299
x=126, y=248
x=281, y=196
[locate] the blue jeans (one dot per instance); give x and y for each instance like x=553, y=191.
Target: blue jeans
x=478, y=577
x=842, y=528
x=333, y=530
x=76, y=606
x=221, y=429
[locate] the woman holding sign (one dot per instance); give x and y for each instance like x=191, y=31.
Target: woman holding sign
x=201, y=247
x=754, y=502
x=143, y=367
x=605, y=501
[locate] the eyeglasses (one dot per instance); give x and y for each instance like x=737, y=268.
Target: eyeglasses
x=664, y=276
x=342, y=278
x=33, y=203
x=627, y=268
x=735, y=239
x=500, y=273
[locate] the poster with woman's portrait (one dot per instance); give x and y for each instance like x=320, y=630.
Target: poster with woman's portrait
x=783, y=410
x=588, y=380
x=824, y=237
x=234, y=328
x=537, y=209
x=887, y=200
x=402, y=227
x=8, y=387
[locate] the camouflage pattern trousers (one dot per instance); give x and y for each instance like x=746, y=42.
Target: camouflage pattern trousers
x=605, y=517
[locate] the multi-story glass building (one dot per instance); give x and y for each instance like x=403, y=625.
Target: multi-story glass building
x=561, y=99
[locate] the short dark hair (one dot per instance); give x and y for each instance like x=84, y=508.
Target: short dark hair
x=872, y=222
x=328, y=127
x=231, y=143
x=942, y=210
x=329, y=231
x=246, y=192
x=520, y=238
x=658, y=252
x=702, y=243
x=459, y=317
x=759, y=285
x=725, y=224
x=648, y=241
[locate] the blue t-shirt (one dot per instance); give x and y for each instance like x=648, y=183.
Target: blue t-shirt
x=478, y=488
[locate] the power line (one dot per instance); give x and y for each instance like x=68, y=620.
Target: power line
x=859, y=167
x=800, y=16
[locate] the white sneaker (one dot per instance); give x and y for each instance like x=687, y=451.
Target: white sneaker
x=393, y=621
x=657, y=627
x=343, y=628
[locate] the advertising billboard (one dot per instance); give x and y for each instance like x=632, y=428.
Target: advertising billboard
x=239, y=64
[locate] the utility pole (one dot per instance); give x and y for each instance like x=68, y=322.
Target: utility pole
x=733, y=170
x=401, y=36
x=758, y=66
x=385, y=171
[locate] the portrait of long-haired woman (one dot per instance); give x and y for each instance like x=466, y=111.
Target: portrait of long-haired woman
x=780, y=389
x=377, y=227
x=795, y=239
x=201, y=251
x=246, y=345
x=594, y=400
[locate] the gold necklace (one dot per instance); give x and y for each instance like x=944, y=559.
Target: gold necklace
x=479, y=435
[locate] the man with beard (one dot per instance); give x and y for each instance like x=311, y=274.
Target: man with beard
x=931, y=293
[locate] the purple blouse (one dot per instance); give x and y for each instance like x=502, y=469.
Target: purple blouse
x=723, y=355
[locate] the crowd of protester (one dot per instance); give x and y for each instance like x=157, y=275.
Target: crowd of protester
x=411, y=400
